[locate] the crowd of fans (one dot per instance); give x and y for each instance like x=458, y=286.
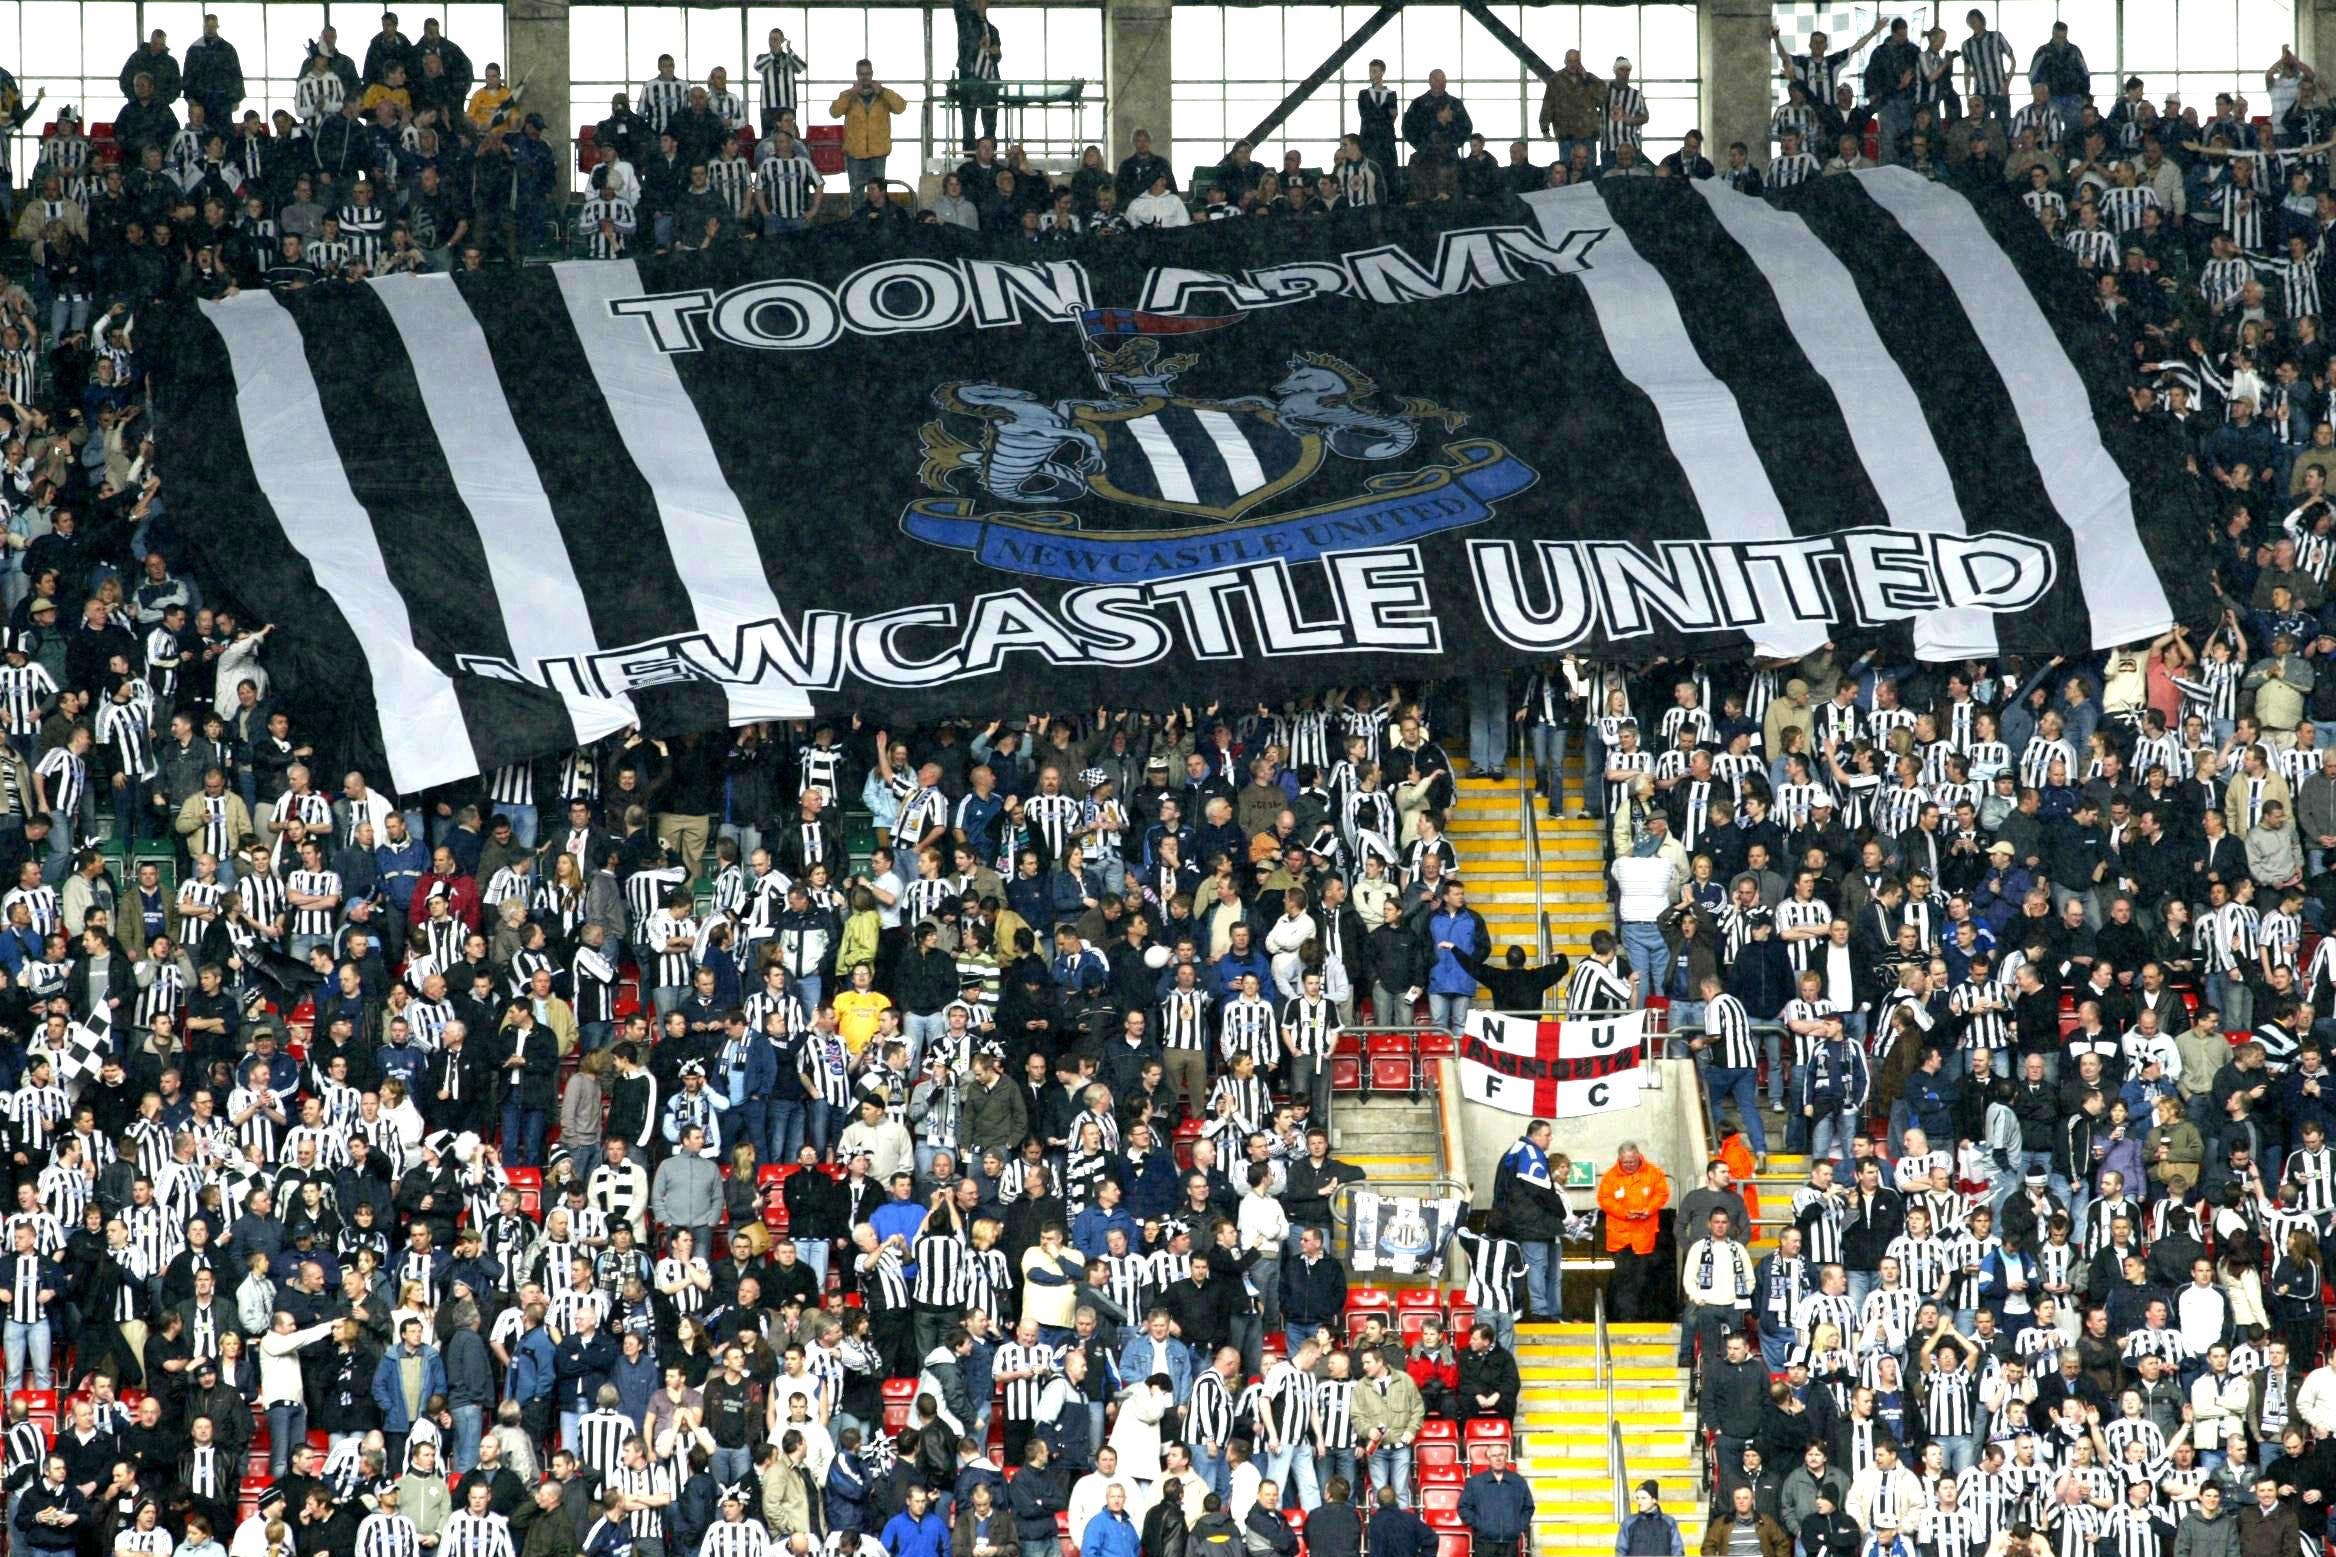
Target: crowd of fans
x=615, y=1155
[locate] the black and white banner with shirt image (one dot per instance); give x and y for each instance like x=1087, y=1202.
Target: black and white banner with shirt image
x=498, y=516
x=1549, y=1068
x=1404, y=1234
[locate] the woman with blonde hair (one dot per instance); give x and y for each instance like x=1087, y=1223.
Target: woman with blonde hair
x=581, y=1114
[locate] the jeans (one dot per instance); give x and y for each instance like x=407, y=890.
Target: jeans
x=1832, y=1133
x=1488, y=724
x=731, y=1464
x=33, y=1339
x=1209, y=1465
x=863, y=171
x=1549, y=761
x=594, y=1035
x=923, y=1029
x=1773, y=1045
x=287, y=1426
x=813, y=1252
x=1276, y=1464
x=523, y=824
x=523, y=1130
x=818, y=1125
x=664, y=998
x=1544, y=1276
x=1861, y=1282
x=1450, y=1012
x=1329, y=1463
x=1643, y=945
x=463, y=1452
x=1391, y=1467
x=1741, y=1083
x=782, y=1125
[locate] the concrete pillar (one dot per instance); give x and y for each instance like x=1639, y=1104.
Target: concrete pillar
x=1734, y=61
x=538, y=40
x=2315, y=36
x=1138, y=78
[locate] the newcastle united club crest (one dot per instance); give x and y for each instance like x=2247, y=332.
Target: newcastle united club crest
x=1141, y=481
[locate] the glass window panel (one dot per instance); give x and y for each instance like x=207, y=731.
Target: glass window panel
x=1431, y=41
x=109, y=31
x=1196, y=44
x=52, y=41
x=1552, y=29
x=896, y=47
x=1611, y=31
x=650, y=32
x=1667, y=37
x=2263, y=26
x=713, y=40
x=183, y=23
x=1253, y=44
x=2206, y=34
x=1074, y=46
x=596, y=44
x=839, y=37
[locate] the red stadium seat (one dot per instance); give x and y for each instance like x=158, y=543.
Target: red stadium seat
x=40, y=1405
x=1346, y=1073
x=1438, y=1429
x=1440, y=1507
x=1485, y=1429
x=772, y=1175
x=1436, y=1459
x=1391, y=1062
x=1455, y=1543
x=529, y=1183
x=1425, y=1300
x=1411, y=1322
x=1480, y=1451
x=1187, y=1132
x=1463, y=1315
x=1435, y=1043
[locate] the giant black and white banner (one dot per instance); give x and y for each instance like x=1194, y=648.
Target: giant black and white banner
x=939, y=473
x=1552, y=1068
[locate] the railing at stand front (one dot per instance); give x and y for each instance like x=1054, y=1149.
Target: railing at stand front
x=1530, y=824
x=1617, y=1463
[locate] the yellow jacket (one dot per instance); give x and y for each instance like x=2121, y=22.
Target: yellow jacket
x=867, y=120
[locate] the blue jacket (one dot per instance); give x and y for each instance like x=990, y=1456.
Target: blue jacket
x=1108, y=1535
x=847, y=1494
x=401, y=867
x=389, y=1390
x=1151, y=1182
x=582, y=1369
x=1465, y=929
x=1091, y=1226
x=1081, y=972
x=908, y=1536
x=1227, y=971
x=1838, y=1079
x=532, y=1367
x=1140, y=1359
x=1654, y=1534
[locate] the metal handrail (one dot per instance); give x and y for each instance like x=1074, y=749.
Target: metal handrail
x=1617, y=1461
x=1530, y=825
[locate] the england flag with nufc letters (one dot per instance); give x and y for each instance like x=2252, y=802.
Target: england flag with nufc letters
x=496, y=516
x=1552, y=1068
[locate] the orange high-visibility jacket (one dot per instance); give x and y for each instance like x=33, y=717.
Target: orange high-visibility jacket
x=1633, y=1203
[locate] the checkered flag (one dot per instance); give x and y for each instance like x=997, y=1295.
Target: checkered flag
x=86, y=1044
x=1797, y=21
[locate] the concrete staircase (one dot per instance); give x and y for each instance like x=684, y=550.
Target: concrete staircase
x=1484, y=827
x=1775, y=1189
x=1562, y=1417
x=1391, y=1137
